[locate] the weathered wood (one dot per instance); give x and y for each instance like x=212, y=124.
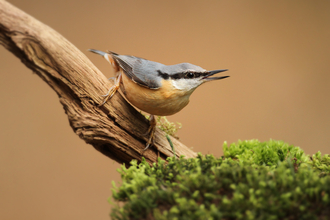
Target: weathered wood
x=115, y=129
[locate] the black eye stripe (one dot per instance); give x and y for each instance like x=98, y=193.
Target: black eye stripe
x=184, y=75
x=178, y=76
x=163, y=75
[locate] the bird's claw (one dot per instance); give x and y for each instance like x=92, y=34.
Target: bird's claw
x=112, y=90
x=151, y=132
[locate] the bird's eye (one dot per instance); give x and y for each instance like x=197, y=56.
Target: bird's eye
x=190, y=75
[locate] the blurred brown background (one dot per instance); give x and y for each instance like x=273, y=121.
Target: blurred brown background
x=278, y=54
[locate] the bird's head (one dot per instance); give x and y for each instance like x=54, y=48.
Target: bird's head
x=187, y=77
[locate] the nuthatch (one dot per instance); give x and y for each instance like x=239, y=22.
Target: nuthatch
x=153, y=87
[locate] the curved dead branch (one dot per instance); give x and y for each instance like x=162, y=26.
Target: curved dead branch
x=115, y=129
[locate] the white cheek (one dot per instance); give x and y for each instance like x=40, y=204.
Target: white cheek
x=186, y=85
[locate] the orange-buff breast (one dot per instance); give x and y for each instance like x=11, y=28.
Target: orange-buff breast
x=166, y=100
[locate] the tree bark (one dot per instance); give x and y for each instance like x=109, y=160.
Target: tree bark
x=115, y=129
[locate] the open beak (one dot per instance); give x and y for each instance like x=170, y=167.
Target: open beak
x=212, y=72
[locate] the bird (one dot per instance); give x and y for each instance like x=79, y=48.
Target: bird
x=153, y=87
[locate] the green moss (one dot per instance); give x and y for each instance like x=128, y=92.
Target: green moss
x=253, y=180
x=321, y=163
x=168, y=127
x=264, y=153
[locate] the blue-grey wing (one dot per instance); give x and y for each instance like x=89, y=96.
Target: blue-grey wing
x=141, y=71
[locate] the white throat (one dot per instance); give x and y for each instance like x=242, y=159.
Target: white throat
x=186, y=85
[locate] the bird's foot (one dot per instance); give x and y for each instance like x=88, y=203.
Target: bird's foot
x=112, y=90
x=151, y=132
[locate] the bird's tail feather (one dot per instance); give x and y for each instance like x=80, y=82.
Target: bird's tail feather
x=108, y=56
x=98, y=52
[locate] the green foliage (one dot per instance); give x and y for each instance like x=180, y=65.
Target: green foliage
x=253, y=180
x=168, y=127
x=321, y=163
x=264, y=153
